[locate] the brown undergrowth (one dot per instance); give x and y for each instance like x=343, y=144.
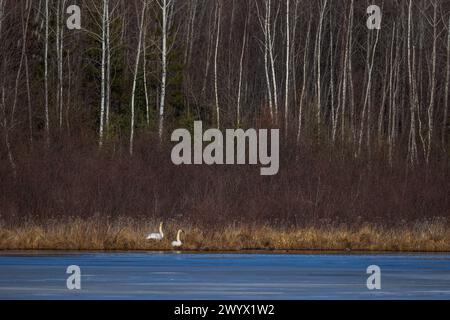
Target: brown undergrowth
x=95, y=233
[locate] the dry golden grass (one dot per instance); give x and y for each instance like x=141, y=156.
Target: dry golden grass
x=129, y=234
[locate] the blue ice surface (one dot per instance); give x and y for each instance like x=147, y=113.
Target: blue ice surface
x=181, y=276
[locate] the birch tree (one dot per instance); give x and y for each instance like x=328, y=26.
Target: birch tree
x=434, y=23
x=334, y=112
x=216, y=53
x=305, y=70
x=165, y=6
x=210, y=44
x=345, y=73
x=264, y=23
x=288, y=53
x=189, y=45
x=103, y=72
x=59, y=56
x=22, y=57
x=47, y=118
x=135, y=75
x=319, y=51
x=387, y=86
x=390, y=97
x=447, y=82
x=412, y=144
x=350, y=82
x=394, y=85
x=369, y=64
x=271, y=39
x=241, y=62
x=144, y=71
x=107, y=77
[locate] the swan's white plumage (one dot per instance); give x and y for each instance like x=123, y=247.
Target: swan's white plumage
x=157, y=236
x=178, y=242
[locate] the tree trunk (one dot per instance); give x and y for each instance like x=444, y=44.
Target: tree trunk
x=244, y=41
x=103, y=75
x=319, y=80
x=162, y=104
x=288, y=53
x=433, y=85
x=108, y=68
x=219, y=12
x=272, y=61
x=350, y=82
x=136, y=70
x=47, y=118
x=412, y=145
x=447, y=82
x=144, y=70
x=305, y=69
x=368, y=89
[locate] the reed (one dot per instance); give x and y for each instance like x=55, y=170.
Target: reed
x=97, y=233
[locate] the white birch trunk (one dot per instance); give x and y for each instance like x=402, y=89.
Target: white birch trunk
x=288, y=53
x=344, y=80
x=395, y=89
x=22, y=59
x=108, y=68
x=447, y=82
x=391, y=95
x=103, y=75
x=47, y=118
x=30, y=112
x=230, y=37
x=305, y=69
x=58, y=83
x=164, y=7
x=144, y=68
x=433, y=85
x=319, y=82
x=60, y=63
x=367, y=94
x=350, y=82
x=136, y=70
x=266, y=57
x=208, y=55
x=381, y=114
x=272, y=63
x=412, y=145
x=219, y=12
x=244, y=40
x=334, y=112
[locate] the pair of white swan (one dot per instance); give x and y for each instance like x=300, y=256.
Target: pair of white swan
x=160, y=235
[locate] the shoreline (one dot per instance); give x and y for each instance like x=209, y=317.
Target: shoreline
x=129, y=235
x=30, y=252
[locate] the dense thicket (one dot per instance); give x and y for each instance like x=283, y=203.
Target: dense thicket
x=367, y=107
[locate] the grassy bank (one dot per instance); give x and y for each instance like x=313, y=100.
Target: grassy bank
x=129, y=234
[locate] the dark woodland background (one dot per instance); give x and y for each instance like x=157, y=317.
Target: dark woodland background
x=363, y=113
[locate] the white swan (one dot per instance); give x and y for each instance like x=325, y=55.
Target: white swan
x=178, y=242
x=157, y=236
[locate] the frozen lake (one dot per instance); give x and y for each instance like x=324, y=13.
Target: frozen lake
x=223, y=276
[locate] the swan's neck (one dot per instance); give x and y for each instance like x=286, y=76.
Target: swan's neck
x=160, y=230
x=178, y=236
